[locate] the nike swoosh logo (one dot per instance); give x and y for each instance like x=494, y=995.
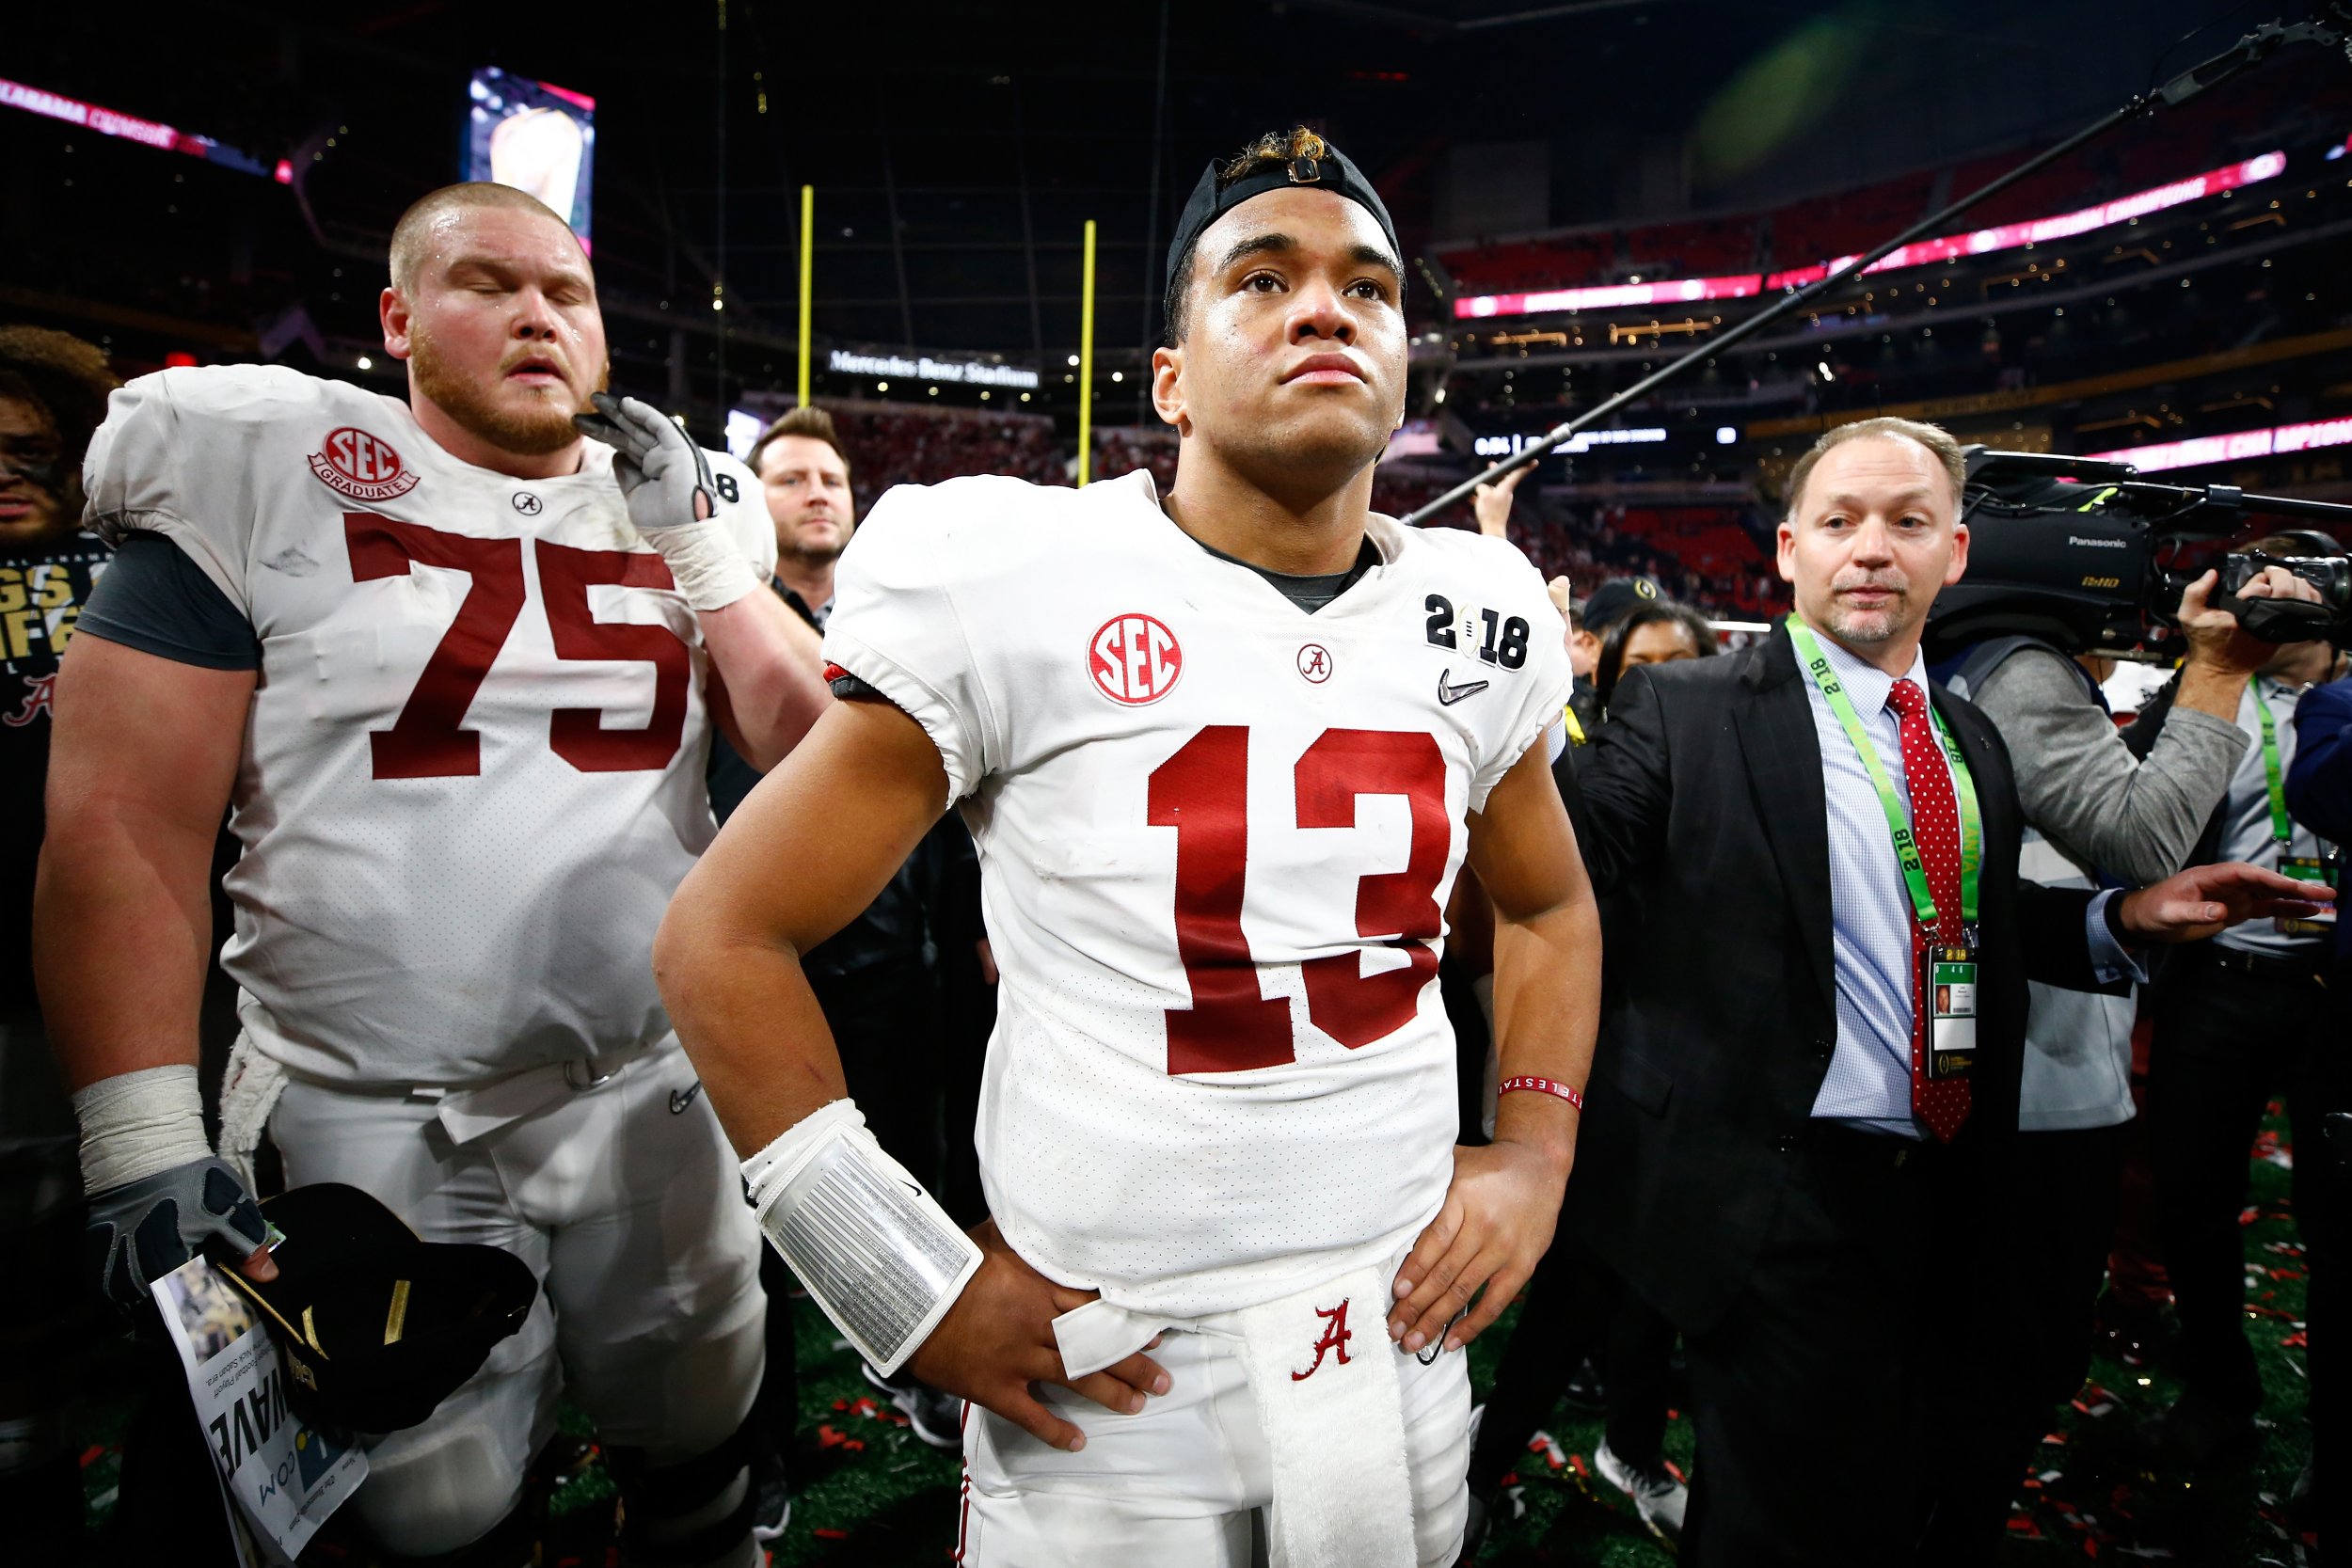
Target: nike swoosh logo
x=680, y=1099
x=1449, y=695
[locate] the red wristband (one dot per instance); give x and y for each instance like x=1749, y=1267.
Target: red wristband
x=1569, y=1092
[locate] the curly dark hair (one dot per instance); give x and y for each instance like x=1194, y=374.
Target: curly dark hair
x=64, y=374
x=69, y=380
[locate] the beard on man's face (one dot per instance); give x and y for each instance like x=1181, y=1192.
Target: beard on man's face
x=802, y=546
x=534, y=428
x=1854, y=624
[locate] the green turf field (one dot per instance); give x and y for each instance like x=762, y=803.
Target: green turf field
x=871, y=1494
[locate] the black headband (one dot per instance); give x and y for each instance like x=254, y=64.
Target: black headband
x=1331, y=171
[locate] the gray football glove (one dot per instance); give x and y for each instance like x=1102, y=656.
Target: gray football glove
x=666, y=481
x=662, y=472
x=143, y=1230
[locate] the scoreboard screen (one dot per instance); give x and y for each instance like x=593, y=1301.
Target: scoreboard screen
x=534, y=136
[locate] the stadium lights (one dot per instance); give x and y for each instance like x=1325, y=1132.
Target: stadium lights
x=1725, y=434
x=2006, y=236
x=2200, y=449
x=1073, y=359
x=743, y=432
x=109, y=122
x=366, y=363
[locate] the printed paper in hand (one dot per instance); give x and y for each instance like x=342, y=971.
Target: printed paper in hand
x=281, y=1478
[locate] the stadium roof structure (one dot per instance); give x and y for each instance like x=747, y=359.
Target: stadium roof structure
x=956, y=149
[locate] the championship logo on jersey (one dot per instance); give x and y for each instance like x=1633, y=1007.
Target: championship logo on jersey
x=361, y=466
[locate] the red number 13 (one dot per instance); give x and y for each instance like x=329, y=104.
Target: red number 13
x=1203, y=792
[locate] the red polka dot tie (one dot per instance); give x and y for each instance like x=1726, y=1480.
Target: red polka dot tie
x=1940, y=1102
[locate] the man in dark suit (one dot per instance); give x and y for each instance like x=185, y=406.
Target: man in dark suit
x=1790, y=1147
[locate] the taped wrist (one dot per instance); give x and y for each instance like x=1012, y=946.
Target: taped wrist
x=136, y=1124
x=704, y=563
x=871, y=1246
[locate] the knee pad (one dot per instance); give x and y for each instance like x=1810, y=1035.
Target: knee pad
x=435, y=1499
x=513, y=1539
x=695, y=1511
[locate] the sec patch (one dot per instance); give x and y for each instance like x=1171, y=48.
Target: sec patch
x=1135, y=660
x=361, y=466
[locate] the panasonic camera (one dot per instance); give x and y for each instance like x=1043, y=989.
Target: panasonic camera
x=2087, y=555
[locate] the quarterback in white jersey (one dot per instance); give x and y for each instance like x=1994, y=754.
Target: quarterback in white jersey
x=452, y=669
x=1223, y=754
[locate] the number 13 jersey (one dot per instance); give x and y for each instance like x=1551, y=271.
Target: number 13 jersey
x=1217, y=834
x=473, y=770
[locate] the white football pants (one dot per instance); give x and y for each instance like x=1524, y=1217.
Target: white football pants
x=625, y=1199
x=1184, y=1484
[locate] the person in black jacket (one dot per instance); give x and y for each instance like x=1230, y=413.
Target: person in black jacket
x=876, y=978
x=1791, y=1138
x=2319, y=793
x=1578, y=1311
x=53, y=393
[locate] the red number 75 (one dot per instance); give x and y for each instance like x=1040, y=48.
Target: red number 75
x=428, y=740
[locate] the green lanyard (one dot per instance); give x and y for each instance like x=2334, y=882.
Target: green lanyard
x=1898, y=819
x=2281, y=826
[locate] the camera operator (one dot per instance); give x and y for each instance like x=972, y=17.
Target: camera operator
x=2234, y=1015
x=2096, y=815
x=2319, y=793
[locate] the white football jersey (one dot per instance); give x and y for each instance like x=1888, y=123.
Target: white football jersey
x=1218, y=835
x=473, y=766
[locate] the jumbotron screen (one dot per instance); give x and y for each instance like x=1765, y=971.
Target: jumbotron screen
x=534, y=136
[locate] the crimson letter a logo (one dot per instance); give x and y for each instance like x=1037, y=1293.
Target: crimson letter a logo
x=1334, y=1340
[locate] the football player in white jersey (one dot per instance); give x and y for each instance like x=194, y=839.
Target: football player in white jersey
x=449, y=667
x=1223, y=753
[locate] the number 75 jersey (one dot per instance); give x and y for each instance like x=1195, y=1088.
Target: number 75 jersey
x=472, y=772
x=1218, y=835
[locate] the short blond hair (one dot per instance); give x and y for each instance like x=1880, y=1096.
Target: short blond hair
x=412, y=233
x=1934, y=437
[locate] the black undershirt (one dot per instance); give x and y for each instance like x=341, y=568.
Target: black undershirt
x=152, y=597
x=1309, y=593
